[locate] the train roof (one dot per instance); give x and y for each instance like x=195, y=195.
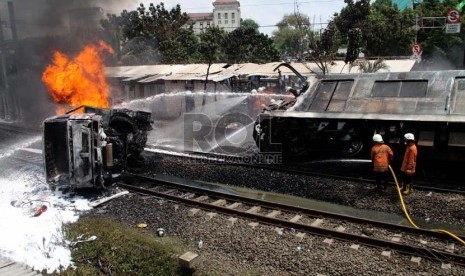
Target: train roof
x=432, y=95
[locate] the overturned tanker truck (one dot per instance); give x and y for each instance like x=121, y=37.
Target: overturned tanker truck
x=82, y=150
x=335, y=116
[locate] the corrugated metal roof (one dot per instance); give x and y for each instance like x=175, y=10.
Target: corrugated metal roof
x=151, y=78
x=149, y=73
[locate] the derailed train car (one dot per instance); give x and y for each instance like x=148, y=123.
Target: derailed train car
x=335, y=116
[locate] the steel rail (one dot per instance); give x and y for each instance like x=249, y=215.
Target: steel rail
x=222, y=159
x=432, y=254
x=18, y=129
x=286, y=207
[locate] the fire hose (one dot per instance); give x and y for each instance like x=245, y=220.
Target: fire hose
x=404, y=208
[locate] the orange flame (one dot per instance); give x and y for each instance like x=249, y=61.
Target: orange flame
x=80, y=80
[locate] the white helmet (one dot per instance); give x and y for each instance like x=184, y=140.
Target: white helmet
x=409, y=136
x=254, y=91
x=377, y=138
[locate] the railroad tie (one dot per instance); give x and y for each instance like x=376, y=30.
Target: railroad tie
x=170, y=191
x=232, y=220
x=451, y=248
x=273, y=214
x=296, y=218
x=386, y=254
x=193, y=211
x=234, y=205
x=416, y=260
x=328, y=241
x=211, y=214
x=446, y=266
x=253, y=224
x=188, y=195
x=395, y=239
x=201, y=198
x=300, y=235
x=317, y=222
x=219, y=202
x=254, y=210
x=340, y=228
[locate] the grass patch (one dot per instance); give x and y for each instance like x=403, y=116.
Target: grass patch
x=121, y=250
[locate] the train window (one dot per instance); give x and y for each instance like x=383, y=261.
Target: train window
x=325, y=90
x=460, y=84
x=409, y=89
x=413, y=89
x=386, y=88
x=343, y=90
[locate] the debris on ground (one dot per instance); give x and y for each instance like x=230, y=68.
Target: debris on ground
x=74, y=243
x=97, y=202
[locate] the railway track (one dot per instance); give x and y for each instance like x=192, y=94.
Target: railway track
x=15, y=129
x=358, y=231
x=249, y=161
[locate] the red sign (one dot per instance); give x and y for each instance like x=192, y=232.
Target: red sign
x=453, y=16
x=417, y=50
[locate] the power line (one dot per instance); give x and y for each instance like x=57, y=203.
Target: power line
x=261, y=26
x=270, y=4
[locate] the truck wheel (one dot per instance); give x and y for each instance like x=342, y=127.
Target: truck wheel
x=122, y=124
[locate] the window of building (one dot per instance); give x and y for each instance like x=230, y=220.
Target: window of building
x=219, y=15
x=219, y=22
x=225, y=15
x=233, y=15
x=225, y=21
x=233, y=21
x=201, y=25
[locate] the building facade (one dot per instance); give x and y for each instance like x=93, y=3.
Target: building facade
x=226, y=14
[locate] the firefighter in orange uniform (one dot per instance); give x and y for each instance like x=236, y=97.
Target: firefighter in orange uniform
x=409, y=163
x=381, y=154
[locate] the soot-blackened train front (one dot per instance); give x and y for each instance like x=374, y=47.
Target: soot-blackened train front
x=335, y=116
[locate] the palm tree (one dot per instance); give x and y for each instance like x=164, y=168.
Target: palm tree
x=367, y=66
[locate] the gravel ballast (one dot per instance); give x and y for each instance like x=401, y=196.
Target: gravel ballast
x=240, y=249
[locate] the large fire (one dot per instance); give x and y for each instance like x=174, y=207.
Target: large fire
x=80, y=80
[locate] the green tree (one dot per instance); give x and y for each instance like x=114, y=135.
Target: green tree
x=248, y=45
x=438, y=46
x=140, y=50
x=112, y=32
x=249, y=23
x=367, y=66
x=293, y=35
x=322, y=50
x=182, y=49
x=211, y=41
x=155, y=30
x=384, y=29
x=355, y=42
x=353, y=15
x=390, y=31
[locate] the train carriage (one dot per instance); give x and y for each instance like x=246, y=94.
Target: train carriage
x=335, y=116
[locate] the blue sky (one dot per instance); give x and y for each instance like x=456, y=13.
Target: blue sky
x=265, y=12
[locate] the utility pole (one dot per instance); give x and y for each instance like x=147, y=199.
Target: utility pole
x=15, y=113
x=4, y=92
